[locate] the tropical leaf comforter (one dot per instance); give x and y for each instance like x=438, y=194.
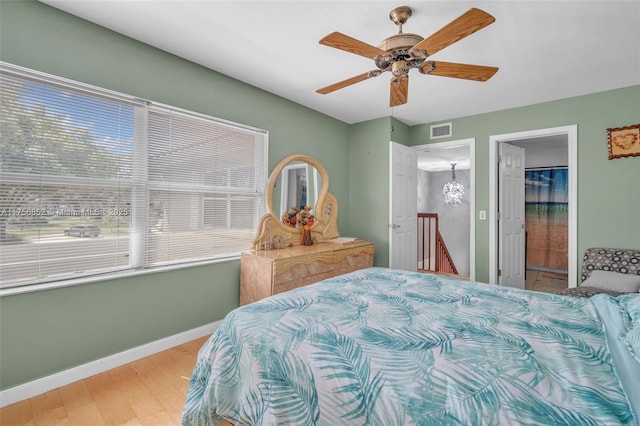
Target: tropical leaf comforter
x=387, y=347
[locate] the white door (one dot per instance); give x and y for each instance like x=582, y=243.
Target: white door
x=511, y=263
x=403, y=210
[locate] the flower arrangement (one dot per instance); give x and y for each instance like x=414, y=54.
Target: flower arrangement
x=299, y=218
x=289, y=218
x=305, y=218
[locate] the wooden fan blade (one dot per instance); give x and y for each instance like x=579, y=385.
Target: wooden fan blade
x=399, y=91
x=461, y=27
x=351, y=45
x=349, y=82
x=455, y=70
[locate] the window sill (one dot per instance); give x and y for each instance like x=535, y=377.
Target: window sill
x=109, y=276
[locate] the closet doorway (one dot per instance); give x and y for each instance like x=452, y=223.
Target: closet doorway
x=546, y=213
x=550, y=155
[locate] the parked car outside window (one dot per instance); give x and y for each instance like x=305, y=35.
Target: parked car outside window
x=82, y=231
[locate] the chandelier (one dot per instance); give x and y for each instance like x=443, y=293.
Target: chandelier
x=453, y=190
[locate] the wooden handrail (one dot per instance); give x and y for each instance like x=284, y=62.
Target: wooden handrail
x=428, y=232
x=446, y=263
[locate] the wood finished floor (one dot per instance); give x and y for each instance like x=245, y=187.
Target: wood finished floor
x=150, y=391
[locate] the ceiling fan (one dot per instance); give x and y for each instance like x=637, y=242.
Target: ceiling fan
x=402, y=52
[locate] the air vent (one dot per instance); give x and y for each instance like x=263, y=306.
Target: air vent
x=442, y=130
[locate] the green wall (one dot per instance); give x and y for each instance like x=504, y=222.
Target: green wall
x=46, y=332
x=369, y=181
x=608, y=191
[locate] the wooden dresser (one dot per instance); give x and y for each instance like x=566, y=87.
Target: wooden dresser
x=267, y=272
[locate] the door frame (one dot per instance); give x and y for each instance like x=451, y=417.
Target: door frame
x=571, y=131
x=471, y=144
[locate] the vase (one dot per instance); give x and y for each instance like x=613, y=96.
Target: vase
x=305, y=237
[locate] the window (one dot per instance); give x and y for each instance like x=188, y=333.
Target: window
x=94, y=182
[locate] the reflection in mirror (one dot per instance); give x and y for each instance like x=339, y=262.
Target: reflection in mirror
x=300, y=185
x=294, y=187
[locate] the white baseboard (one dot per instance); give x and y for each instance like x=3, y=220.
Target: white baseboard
x=54, y=381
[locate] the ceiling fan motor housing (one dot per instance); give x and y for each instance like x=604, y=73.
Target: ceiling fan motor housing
x=399, y=41
x=399, y=56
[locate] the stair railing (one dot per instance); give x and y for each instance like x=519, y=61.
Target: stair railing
x=433, y=255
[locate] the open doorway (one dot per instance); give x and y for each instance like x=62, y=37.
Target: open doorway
x=546, y=201
x=456, y=224
x=538, y=145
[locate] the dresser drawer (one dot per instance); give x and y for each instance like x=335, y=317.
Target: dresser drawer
x=296, y=267
x=352, y=259
x=354, y=253
x=282, y=286
x=275, y=271
x=295, y=272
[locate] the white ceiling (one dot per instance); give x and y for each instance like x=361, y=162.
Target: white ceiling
x=440, y=159
x=545, y=50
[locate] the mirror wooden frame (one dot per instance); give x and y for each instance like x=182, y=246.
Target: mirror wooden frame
x=325, y=211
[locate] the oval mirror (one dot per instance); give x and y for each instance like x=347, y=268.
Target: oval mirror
x=297, y=180
x=299, y=185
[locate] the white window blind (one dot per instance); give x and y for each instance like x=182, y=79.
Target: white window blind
x=65, y=163
x=206, y=183
x=95, y=182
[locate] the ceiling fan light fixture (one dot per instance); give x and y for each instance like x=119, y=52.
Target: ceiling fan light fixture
x=400, y=68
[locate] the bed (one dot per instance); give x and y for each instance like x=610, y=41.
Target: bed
x=388, y=347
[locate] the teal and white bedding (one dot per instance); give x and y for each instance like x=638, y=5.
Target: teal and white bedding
x=388, y=347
